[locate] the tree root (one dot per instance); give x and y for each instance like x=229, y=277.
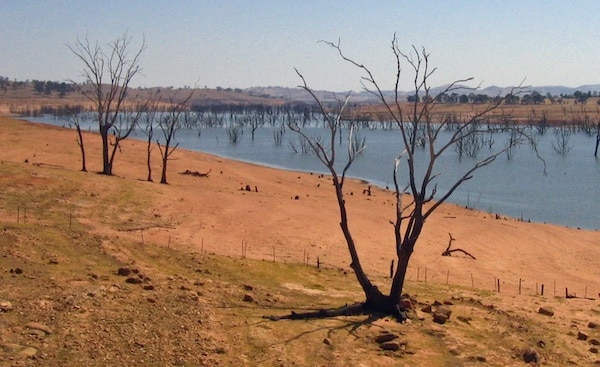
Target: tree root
x=347, y=310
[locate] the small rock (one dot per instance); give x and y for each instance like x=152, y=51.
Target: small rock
x=38, y=326
x=124, y=272
x=594, y=350
x=448, y=302
x=466, y=320
x=53, y=261
x=594, y=342
x=383, y=338
x=248, y=298
x=393, y=346
x=148, y=287
x=327, y=341
x=133, y=280
x=28, y=352
x=17, y=271
x=406, y=304
x=248, y=287
x=220, y=350
x=546, y=310
x=5, y=306
x=593, y=325
x=151, y=300
x=481, y=359
x=582, y=336
x=530, y=355
x=440, y=318
x=427, y=309
x=443, y=309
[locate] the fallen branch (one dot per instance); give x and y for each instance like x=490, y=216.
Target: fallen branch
x=448, y=251
x=195, y=173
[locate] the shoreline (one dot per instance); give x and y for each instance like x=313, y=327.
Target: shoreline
x=294, y=213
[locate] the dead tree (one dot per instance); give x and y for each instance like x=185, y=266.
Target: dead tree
x=107, y=78
x=448, y=251
x=169, y=124
x=75, y=121
x=421, y=183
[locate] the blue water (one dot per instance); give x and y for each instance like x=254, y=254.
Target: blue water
x=567, y=194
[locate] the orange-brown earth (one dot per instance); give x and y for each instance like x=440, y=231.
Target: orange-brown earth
x=286, y=216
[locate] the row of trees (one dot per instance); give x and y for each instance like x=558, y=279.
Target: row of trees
x=533, y=98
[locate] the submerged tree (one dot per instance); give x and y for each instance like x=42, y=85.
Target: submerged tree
x=108, y=75
x=421, y=166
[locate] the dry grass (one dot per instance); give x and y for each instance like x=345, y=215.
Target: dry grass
x=81, y=227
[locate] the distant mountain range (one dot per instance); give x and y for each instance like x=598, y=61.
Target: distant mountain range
x=363, y=97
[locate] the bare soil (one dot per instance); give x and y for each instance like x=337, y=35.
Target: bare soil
x=210, y=259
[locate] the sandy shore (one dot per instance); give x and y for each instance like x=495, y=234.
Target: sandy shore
x=291, y=214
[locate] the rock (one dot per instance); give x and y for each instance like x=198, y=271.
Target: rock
x=28, y=352
x=445, y=310
x=594, y=342
x=38, y=326
x=124, y=272
x=440, y=318
x=466, y=320
x=594, y=350
x=393, y=346
x=448, y=302
x=248, y=298
x=406, y=304
x=427, y=309
x=582, y=336
x=5, y=306
x=481, y=359
x=593, y=325
x=133, y=280
x=248, y=287
x=546, y=310
x=383, y=338
x=530, y=355
x=17, y=271
x=148, y=287
x=327, y=341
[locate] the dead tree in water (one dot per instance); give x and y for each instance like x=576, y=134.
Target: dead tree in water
x=448, y=251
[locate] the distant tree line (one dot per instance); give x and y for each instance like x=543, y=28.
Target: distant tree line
x=533, y=98
x=47, y=87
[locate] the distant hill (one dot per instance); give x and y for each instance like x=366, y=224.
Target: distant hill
x=364, y=97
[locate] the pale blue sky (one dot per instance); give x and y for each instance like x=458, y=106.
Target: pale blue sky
x=258, y=43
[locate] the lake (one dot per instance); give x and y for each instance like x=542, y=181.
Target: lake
x=568, y=194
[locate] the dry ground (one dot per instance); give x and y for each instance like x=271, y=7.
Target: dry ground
x=64, y=234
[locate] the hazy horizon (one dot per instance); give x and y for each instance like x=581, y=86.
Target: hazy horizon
x=240, y=44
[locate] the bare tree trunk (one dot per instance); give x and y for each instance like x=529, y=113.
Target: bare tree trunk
x=106, y=162
x=81, y=147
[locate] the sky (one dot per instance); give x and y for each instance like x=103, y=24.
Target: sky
x=260, y=43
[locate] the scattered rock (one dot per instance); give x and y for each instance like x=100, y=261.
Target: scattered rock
x=481, y=359
x=393, y=346
x=582, y=336
x=38, y=326
x=16, y=271
x=5, y=306
x=593, y=325
x=440, y=318
x=133, y=280
x=445, y=310
x=124, y=272
x=530, y=355
x=594, y=350
x=148, y=287
x=427, y=309
x=546, y=310
x=383, y=338
x=248, y=298
x=466, y=320
x=248, y=287
x=327, y=341
x=28, y=352
x=448, y=302
x=594, y=342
